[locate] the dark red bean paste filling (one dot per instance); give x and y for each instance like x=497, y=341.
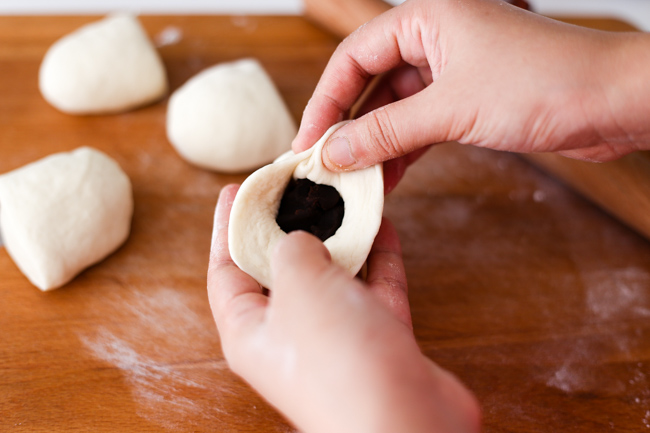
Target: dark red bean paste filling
x=311, y=207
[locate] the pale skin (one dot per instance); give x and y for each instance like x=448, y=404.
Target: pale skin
x=335, y=354
x=484, y=73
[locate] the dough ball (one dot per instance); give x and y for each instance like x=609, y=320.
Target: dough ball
x=63, y=213
x=230, y=118
x=253, y=230
x=104, y=67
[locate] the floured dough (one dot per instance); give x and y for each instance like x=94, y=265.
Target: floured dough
x=253, y=231
x=104, y=67
x=230, y=118
x=64, y=213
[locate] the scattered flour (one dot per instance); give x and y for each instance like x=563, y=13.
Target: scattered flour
x=614, y=297
x=599, y=299
x=168, y=36
x=244, y=22
x=565, y=379
x=616, y=293
x=539, y=196
x=152, y=352
x=575, y=367
x=154, y=386
x=610, y=296
x=610, y=293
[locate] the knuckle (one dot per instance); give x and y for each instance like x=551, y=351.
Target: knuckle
x=381, y=132
x=332, y=101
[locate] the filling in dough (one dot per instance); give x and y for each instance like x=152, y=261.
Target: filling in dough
x=270, y=200
x=311, y=207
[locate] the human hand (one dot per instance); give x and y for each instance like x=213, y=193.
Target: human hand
x=502, y=78
x=332, y=353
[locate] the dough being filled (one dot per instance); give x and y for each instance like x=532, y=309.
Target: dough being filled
x=63, y=213
x=104, y=67
x=253, y=230
x=230, y=118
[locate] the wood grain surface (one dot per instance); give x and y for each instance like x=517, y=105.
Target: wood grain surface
x=536, y=299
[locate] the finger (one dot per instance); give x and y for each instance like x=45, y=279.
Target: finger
x=235, y=298
x=380, y=96
x=603, y=152
x=394, y=171
x=386, y=274
x=327, y=106
x=395, y=130
x=407, y=81
x=400, y=83
x=219, y=247
x=377, y=47
x=305, y=282
x=299, y=259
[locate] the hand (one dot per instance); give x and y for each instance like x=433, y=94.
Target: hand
x=330, y=352
x=484, y=73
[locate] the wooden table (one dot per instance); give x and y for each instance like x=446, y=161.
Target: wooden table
x=535, y=298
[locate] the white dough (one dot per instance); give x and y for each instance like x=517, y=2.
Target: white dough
x=230, y=118
x=63, y=213
x=104, y=67
x=253, y=231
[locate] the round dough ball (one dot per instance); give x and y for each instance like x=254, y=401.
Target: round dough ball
x=104, y=67
x=63, y=213
x=253, y=230
x=230, y=118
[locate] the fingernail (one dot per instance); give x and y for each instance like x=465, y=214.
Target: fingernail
x=339, y=152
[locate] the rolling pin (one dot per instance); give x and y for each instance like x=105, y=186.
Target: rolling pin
x=621, y=187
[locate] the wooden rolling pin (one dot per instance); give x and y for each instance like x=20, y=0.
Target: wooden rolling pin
x=620, y=187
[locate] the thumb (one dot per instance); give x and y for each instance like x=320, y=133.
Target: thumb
x=389, y=132
x=299, y=262
x=303, y=275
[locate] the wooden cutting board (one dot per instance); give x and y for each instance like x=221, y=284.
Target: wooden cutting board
x=532, y=296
